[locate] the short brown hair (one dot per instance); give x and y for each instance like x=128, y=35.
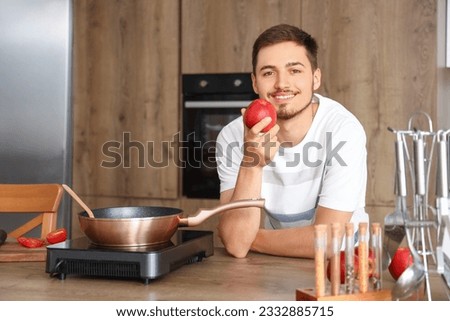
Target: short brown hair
x=282, y=33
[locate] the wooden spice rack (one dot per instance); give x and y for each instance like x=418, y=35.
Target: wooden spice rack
x=309, y=294
x=335, y=290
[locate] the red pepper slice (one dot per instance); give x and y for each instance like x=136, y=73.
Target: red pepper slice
x=30, y=242
x=56, y=236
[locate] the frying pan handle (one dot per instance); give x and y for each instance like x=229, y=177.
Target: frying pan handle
x=203, y=214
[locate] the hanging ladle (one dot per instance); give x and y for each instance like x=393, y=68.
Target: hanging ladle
x=413, y=276
x=78, y=200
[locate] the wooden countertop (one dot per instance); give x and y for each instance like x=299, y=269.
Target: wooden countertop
x=219, y=277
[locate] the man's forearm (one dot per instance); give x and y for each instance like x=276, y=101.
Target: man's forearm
x=238, y=228
x=294, y=242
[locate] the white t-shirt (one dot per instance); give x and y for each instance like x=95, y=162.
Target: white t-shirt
x=328, y=167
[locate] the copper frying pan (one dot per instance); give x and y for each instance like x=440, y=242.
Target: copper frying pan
x=146, y=225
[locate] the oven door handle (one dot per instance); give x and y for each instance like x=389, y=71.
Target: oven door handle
x=217, y=104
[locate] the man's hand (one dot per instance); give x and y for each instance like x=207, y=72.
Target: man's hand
x=259, y=147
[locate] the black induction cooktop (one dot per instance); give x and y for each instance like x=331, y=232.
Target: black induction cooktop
x=81, y=257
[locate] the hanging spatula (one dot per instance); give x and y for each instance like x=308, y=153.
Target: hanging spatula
x=394, y=225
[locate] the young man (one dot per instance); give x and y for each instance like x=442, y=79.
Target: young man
x=310, y=167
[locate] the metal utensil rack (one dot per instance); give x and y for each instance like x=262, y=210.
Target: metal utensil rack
x=426, y=218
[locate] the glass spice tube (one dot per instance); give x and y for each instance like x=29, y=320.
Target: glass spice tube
x=349, y=258
x=376, y=246
x=320, y=257
x=335, y=260
x=363, y=256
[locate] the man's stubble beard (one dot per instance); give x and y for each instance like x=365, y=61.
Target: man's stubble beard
x=284, y=114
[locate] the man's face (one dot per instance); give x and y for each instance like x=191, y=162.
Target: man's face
x=284, y=77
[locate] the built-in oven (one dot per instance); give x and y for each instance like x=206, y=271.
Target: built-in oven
x=210, y=101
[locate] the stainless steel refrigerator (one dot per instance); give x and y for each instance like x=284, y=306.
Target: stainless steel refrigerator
x=35, y=96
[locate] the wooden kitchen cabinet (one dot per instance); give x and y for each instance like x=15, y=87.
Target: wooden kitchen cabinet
x=217, y=36
x=126, y=98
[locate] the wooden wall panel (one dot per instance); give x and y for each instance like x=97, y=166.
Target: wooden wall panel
x=217, y=36
x=378, y=58
x=126, y=91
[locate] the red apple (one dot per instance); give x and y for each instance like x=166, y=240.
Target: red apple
x=257, y=110
x=400, y=262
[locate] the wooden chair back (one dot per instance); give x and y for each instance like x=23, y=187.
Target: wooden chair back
x=40, y=199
